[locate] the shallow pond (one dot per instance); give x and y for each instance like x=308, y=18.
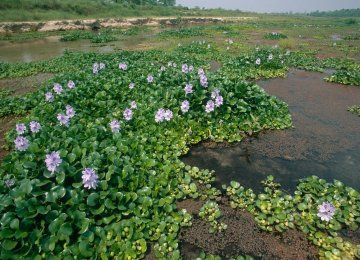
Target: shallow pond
x=325, y=140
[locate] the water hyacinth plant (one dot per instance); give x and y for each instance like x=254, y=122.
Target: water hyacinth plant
x=93, y=191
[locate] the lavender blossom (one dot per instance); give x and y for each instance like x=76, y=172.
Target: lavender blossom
x=20, y=129
x=115, y=126
x=133, y=105
x=210, y=106
x=63, y=119
x=71, y=84
x=95, y=68
x=258, y=61
x=185, y=68
x=168, y=115
x=215, y=93
x=123, y=66
x=326, y=211
x=35, y=127
x=219, y=101
x=128, y=114
x=58, y=89
x=188, y=89
x=70, y=112
x=90, y=178
x=9, y=183
x=131, y=85
x=203, y=80
x=201, y=72
x=21, y=143
x=150, y=78
x=185, y=105
x=101, y=66
x=191, y=68
x=49, y=97
x=159, y=116
x=53, y=161
x=270, y=57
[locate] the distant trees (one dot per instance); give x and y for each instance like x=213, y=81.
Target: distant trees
x=338, y=13
x=148, y=2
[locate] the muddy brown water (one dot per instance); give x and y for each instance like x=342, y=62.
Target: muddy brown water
x=325, y=140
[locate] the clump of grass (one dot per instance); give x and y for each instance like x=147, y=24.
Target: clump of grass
x=275, y=36
x=287, y=43
x=355, y=109
x=76, y=35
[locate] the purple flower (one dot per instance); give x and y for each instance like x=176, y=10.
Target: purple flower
x=219, y=101
x=210, y=106
x=71, y=84
x=203, y=80
x=70, y=112
x=53, y=161
x=133, y=105
x=63, y=119
x=35, y=127
x=115, y=126
x=159, y=116
x=150, y=78
x=258, y=61
x=9, y=183
x=95, y=68
x=128, y=114
x=168, y=115
x=201, y=72
x=185, y=68
x=215, y=93
x=101, y=66
x=57, y=88
x=21, y=143
x=131, y=85
x=49, y=97
x=270, y=57
x=188, y=89
x=191, y=68
x=123, y=66
x=326, y=211
x=185, y=105
x=90, y=178
x=20, y=129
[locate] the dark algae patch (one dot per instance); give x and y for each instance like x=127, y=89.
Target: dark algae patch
x=242, y=237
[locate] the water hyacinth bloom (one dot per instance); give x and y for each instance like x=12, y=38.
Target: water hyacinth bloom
x=131, y=85
x=58, y=89
x=49, y=97
x=90, y=178
x=270, y=57
x=150, y=78
x=123, y=66
x=185, y=68
x=95, y=68
x=53, y=161
x=215, y=93
x=258, y=61
x=185, y=105
x=203, y=80
x=115, y=126
x=35, y=127
x=70, y=112
x=21, y=143
x=162, y=68
x=63, y=119
x=9, y=183
x=71, y=84
x=20, y=129
x=133, y=105
x=219, y=101
x=159, y=116
x=326, y=211
x=201, y=71
x=188, y=89
x=101, y=66
x=128, y=114
x=168, y=115
x=210, y=106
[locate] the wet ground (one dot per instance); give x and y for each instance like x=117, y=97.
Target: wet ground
x=20, y=86
x=242, y=237
x=325, y=140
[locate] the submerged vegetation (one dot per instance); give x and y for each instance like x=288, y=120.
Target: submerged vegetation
x=355, y=109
